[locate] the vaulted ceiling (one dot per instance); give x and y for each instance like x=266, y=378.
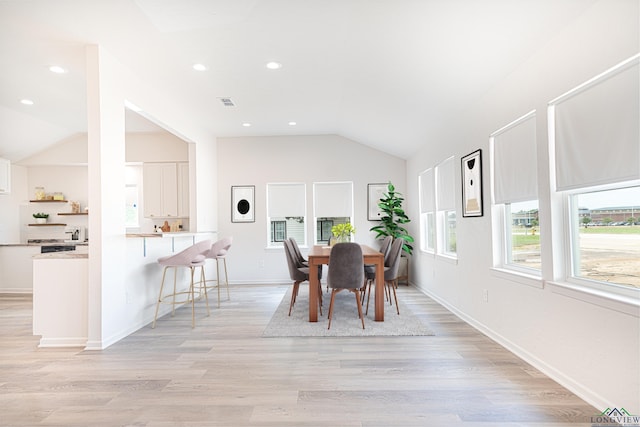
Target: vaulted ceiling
x=385, y=73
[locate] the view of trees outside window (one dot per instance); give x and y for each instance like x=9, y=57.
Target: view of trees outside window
x=523, y=247
x=606, y=236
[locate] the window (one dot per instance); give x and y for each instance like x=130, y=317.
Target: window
x=286, y=204
x=594, y=132
x=427, y=211
x=446, y=243
x=605, y=231
x=514, y=186
x=333, y=203
x=278, y=231
x=522, y=235
x=324, y=230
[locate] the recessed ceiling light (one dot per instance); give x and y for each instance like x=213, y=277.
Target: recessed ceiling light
x=292, y=123
x=274, y=65
x=26, y=101
x=199, y=67
x=57, y=69
x=247, y=125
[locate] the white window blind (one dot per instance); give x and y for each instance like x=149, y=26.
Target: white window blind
x=445, y=186
x=286, y=200
x=515, y=177
x=597, y=129
x=333, y=199
x=427, y=188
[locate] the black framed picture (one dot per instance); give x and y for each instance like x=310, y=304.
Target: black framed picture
x=242, y=200
x=471, y=166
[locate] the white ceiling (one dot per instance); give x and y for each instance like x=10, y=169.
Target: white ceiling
x=385, y=73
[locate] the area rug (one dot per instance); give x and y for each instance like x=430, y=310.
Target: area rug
x=345, y=321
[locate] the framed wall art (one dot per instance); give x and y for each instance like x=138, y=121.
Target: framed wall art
x=471, y=166
x=374, y=194
x=242, y=200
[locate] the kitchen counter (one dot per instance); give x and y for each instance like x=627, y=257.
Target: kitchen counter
x=77, y=254
x=44, y=243
x=171, y=234
x=172, y=241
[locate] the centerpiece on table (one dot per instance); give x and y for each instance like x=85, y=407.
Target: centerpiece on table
x=41, y=217
x=343, y=232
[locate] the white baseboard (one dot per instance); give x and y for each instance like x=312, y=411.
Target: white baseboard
x=569, y=383
x=63, y=342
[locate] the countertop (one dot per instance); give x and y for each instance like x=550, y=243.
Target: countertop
x=63, y=255
x=171, y=234
x=49, y=242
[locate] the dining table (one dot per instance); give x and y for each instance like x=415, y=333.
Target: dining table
x=319, y=255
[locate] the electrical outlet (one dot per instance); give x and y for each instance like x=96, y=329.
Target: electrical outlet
x=485, y=295
x=261, y=263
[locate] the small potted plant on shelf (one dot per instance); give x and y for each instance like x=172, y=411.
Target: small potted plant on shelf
x=41, y=217
x=343, y=232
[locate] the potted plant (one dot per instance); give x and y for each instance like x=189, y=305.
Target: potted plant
x=393, y=216
x=41, y=217
x=343, y=232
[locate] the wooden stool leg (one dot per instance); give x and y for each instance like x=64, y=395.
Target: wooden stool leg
x=226, y=278
x=155, y=317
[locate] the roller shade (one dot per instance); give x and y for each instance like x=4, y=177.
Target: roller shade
x=597, y=130
x=445, y=186
x=515, y=163
x=286, y=200
x=427, y=188
x=333, y=199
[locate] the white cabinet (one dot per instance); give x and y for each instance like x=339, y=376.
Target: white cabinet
x=160, y=189
x=183, y=190
x=5, y=176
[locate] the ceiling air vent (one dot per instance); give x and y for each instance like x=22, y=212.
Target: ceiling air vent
x=227, y=102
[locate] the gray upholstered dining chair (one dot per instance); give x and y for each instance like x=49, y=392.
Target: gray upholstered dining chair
x=391, y=268
x=370, y=269
x=297, y=252
x=192, y=257
x=299, y=273
x=346, y=272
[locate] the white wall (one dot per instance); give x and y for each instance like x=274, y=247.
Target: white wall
x=10, y=205
x=109, y=86
x=261, y=160
x=593, y=350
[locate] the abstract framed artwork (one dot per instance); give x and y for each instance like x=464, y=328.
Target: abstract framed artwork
x=471, y=166
x=242, y=198
x=375, y=192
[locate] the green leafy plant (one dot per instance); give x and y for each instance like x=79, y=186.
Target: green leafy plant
x=40, y=215
x=393, y=216
x=342, y=232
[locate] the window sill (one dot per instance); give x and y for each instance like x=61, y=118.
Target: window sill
x=447, y=258
x=622, y=303
x=519, y=277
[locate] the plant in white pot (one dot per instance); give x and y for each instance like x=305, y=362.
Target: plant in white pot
x=41, y=217
x=343, y=232
x=393, y=217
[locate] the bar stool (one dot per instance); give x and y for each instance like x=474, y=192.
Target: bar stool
x=218, y=253
x=191, y=258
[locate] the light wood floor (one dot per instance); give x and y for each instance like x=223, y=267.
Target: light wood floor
x=224, y=373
